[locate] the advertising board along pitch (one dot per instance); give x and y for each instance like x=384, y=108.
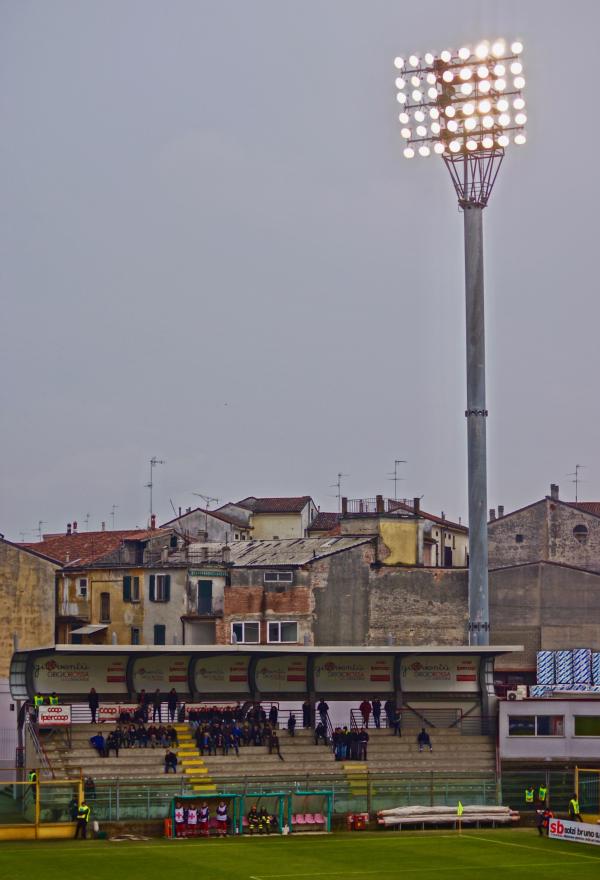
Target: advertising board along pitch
x=576, y=832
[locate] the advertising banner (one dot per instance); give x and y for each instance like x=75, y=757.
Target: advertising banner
x=215, y=675
x=349, y=672
x=281, y=674
x=77, y=673
x=442, y=674
x=54, y=716
x=164, y=672
x=111, y=711
x=576, y=832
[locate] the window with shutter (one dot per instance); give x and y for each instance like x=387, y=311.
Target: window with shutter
x=153, y=588
x=135, y=589
x=159, y=634
x=126, y=588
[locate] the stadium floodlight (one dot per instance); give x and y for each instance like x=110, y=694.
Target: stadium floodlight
x=474, y=94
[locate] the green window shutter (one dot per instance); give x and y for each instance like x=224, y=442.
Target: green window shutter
x=167, y=587
x=152, y=588
x=136, y=588
x=126, y=588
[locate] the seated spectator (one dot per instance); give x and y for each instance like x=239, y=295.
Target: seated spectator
x=170, y=761
x=112, y=744
x=424, y=741
x=98, y=743
x=172, y=735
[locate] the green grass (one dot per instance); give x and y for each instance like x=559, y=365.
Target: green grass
x=356, y=856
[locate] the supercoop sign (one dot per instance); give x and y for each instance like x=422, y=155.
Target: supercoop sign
x=54, y=716
x=576, y=832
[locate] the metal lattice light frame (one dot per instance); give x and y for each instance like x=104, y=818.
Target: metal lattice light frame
x=466, y=106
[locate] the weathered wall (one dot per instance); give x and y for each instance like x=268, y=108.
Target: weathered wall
x=267, y=526
x=26, y=601
x=419, y=606
x=341, y=596
x=563, y=546
x=531, y=523
x=400, y=540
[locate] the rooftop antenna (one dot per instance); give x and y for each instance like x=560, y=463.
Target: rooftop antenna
x=577, y=480
x=208, y=500
x=338, y=485
x=113, y=511
x=41, y=522
x=86, y=519
x=153, y=462
x=395, y=476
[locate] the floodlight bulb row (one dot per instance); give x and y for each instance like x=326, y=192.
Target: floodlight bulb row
x=482, y=52
x=471, y=144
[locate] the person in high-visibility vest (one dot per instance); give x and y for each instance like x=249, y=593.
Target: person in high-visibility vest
x=83, y=817
x=529, y=794
x=38, y=700
x=32, y=776
x=574, y=813
x=53, y=699
x=542, y=794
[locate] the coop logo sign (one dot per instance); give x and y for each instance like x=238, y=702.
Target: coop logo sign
x=576, y=832
x=54, y=716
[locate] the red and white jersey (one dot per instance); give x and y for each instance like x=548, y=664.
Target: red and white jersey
x=192, y=816
x=179, y=814
x=222, y=813
x=203, y=815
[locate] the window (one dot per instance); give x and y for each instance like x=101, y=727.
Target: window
x=159, y=634
x=131, y=588
x=580, y=533
x=278, y=577
x=135, y=635
x=160, y=587
x=519, y=539
x=587, y=725
x=204, y=604
x=283, y=631
x=246, y=632
x=82, y=586
x=104, y=607
x=536, y=725
x=236, y=536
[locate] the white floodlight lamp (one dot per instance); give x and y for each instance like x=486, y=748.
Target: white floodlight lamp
x=473, y=94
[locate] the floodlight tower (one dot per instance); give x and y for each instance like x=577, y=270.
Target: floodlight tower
x=466, y=106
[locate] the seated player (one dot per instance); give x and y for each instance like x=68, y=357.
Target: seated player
x=252, y=819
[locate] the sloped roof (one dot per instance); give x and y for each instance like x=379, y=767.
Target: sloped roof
x=324, y=522
x=275, y=505
x=447, y=523
x=217, y=514
x=87, y=547
x=592, y=507
x=288, y=552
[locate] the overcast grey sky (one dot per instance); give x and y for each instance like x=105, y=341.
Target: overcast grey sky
x=213, y=251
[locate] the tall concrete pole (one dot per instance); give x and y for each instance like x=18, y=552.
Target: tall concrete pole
x=476, y=413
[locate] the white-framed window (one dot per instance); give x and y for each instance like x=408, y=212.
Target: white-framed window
x=282, y=631
x=536, y=725
x=160, y=587
x=82, y=588
x=278, y=577
x=245, y=632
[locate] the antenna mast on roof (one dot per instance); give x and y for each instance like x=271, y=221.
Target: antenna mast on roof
x=208, y=500
x=112, y=515
x=86, y=520
x=153, y=462
x=395, y=476
x=41, y=522
x=577, y=479
x=338, y=485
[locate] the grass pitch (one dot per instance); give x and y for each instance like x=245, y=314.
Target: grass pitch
x=359, y=856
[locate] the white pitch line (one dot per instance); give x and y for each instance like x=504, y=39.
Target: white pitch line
x=416, y=869
x=573, y=855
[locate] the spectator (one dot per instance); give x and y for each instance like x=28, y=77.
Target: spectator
x=112, y=744
x=172, y=704
x=274, y=745
x=291, y=725
x=98, y=743
x=273, y=713
x=323, y=710
x=390, y=708
x=363, y=742
x=320, y=733
x=170, y=761
x=394, y=720
x=306, y=713
x=93, y=703
x=365, y=711
x=156, y=704
x=424, y=741
x=73, y=809
x=376, y=706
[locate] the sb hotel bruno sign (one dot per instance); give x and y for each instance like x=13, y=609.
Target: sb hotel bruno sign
x=576, y=832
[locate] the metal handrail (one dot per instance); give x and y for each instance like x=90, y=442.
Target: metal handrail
x=32, y=730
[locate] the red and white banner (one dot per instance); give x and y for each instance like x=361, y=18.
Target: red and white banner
x=281, y=674
x=440, y=673
x=111, y=711
x=576, y=832
x=54, y=716
x=353, y=672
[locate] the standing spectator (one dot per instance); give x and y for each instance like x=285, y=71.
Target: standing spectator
x=93, y=703
x=320, y=733
x=424, y=741
x=390, y=708
x=365, y=711
x=273, y=713
x=394, y=720
x=172, y=704
x=156, y=701
x=291, y=725
x=323, y=710
x=363, y=742
x=274, y=745
x=306, y=713
x=376, y=706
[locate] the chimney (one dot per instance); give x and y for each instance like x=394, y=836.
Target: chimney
x=188, y=510
x=500, y=511
x=443, y=515
x=554, y=491
x=74, y=526
x=153, y=521
x=379, y=504
x=180, y=511
x=492, y=514
x=68, y=528
x=344, y=506
x=164, y=554
x=226, y=554
x=417, y=505
x=205, y=553
x=67, y=556
x=103, y=526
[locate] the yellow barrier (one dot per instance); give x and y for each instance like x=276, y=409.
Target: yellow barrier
x=42, y=809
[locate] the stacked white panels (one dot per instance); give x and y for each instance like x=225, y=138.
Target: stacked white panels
x=539, y=690
x=545, y=667
x=582, y=666
x=564, y=667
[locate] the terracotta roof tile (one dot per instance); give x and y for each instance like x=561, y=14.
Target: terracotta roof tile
x=324, y=522
x=592, y=507
x=275, y=505
x=85, y=548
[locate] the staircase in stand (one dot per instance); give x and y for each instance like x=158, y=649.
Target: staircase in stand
x=191, y=762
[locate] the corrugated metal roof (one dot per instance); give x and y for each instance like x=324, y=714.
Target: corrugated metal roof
x=289, y=551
